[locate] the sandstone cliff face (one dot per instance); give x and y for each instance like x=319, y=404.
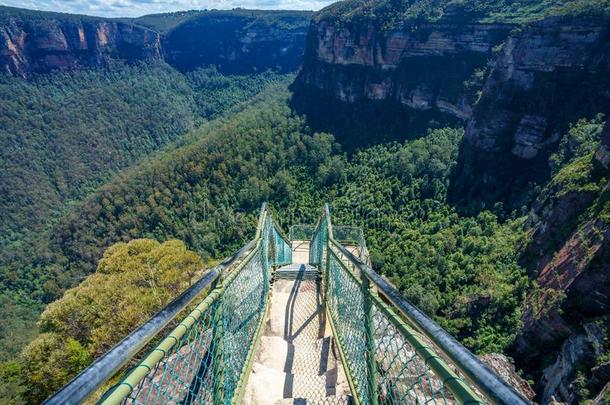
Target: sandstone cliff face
x=34, y=45
x=420, y=68
x=548, y=74
x=239, y=42
x=353, y=62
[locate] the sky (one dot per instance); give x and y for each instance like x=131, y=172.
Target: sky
x=134, y=8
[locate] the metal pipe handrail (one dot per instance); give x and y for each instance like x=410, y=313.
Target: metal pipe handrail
x=110, y=362
x=462, y=392
x=91, y=378
x=490, y=384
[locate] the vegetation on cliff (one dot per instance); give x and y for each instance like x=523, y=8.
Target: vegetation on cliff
x=64, y=134
x=394, y=13
x=133, y=281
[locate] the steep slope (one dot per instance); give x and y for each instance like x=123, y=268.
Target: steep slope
x=62, y=134
x=566, y=321
x=238, y=41
x=378, y=70
x=38, y=42
x=549, y=73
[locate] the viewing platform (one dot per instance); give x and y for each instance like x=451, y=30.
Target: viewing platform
x=299, y=319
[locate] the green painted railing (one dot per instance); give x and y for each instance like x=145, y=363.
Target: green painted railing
x=391, y=351
x=206, y=358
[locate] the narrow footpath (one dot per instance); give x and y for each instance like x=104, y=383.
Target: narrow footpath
x=297, y=361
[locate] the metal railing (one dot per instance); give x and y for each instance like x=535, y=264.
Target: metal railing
x=302, y=231
x=352, y=236
x=391, y=351
x=207, y=357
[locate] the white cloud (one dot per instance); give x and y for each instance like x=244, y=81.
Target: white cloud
x=134, y=8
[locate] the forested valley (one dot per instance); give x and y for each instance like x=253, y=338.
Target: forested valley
x=463, y=270
x=207, y=194
x=49, y=165
x=112, y=170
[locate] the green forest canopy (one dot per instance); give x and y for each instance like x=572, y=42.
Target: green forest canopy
x=462, y=271
x=62, y=135
x=394, y=13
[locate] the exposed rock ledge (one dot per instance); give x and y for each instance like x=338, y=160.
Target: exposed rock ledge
x=422, y=66
x=40, y=45
x=505, y=369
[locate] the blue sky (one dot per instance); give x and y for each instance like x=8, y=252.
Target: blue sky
x=132, y=8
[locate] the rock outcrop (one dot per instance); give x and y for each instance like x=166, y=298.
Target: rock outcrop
x=239, y=41
x=424, y=71
x=42, y=42
x=502, y=366
x=549, y=73
x=557, y=379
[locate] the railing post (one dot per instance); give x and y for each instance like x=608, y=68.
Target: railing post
x=219, y=363
x=371, y=363
x=326, y=270
x=329, y=235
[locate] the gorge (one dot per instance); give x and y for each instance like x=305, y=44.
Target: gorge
x=469, y=140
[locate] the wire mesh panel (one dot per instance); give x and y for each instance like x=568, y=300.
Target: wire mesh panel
x=345, y=303
x=186, y=373
x=352, y=235
x=318, y=242
x=402, y=376
x=383, y=363
x=243, y=305
x=206, y=363
x=282, y=248
x=302, y=231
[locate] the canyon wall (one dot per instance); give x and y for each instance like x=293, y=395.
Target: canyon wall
x=43, y=42
x=408, y=77
x=420, y=66
x=236, y=41
x=550, y=73
x=239, y=41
